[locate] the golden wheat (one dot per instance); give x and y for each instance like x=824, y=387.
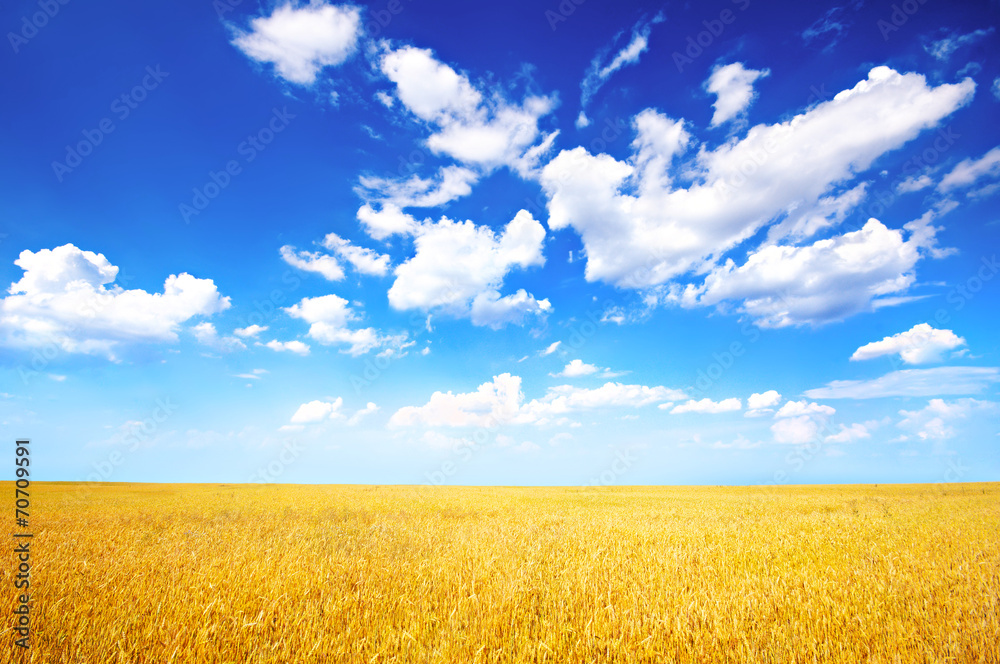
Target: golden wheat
x=240, y=573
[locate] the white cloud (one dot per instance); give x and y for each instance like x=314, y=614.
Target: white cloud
x=256, y=374
x=459, y=267
x=490, y=309
x=249, y=331
x=551, y=348
x=361, y=414
x=708, y=406
x=388, y=221
x=577, y=368
x=296, y=347
x=484, y=132
x=914, y=183
x=733, y=86
x=851, y=434
x=795, y=430
x=829, y=27
x=392, y=195
x=317, y=411
x=826, y=213
x=918, y=345
x=799, y=408
x=602, y=67
x=300, y=41
x=313, y=262
x=66, y=298
x=495, y=402
x=969, y=171
x=760, y=403
x=363, y=260
x=207, y=335
x=329, y=317
x=996, y=88
x=566, y=399
x=648, y=221
x=934, y=421
x=799, y=422
x=762, y=400
x=204, y=333
x=502, y=402
x=826, y=281
x=938, y=381
x=943, y=48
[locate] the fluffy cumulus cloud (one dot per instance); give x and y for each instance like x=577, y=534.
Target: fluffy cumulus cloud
x=918, y=345
x=313, y=261
x=300, y=40
x=733, y=87
x=795, y=430
x=938, y=381
x=800, y=422
x=799, y=408
x=828, y=280
x=501, y=401
x=708, y=406
x=657, y=218
x=577, y=368
x=67, y=298
x=294, y=346
x=330, y=318
x=459, y=267
x=317, y=411
x=491, y=309
x=483, y=132
x=762, y=403
x=493, y=403
x=359, y=415
x=936, y=421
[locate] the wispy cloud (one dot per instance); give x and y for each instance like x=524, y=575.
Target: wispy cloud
x=603, y=66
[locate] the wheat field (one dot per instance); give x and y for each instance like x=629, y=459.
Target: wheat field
x=293, y=573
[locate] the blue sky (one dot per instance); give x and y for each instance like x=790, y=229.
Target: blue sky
x=529, y=243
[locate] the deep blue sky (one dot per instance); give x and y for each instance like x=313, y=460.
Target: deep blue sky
x=731, y=242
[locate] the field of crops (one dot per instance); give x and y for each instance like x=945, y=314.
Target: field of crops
x=240, y=573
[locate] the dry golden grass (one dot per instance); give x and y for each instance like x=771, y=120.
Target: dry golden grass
x=216, y=573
